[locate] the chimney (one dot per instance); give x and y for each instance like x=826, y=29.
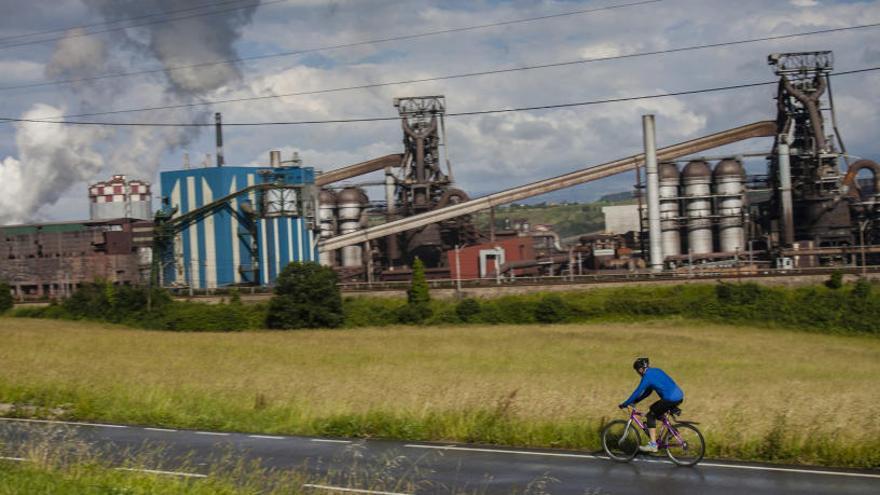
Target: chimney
x=218, y=124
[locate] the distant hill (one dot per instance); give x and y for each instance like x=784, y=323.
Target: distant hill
x=617, y=197
x=567, y=219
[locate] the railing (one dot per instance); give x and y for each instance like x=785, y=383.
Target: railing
x=537, y=281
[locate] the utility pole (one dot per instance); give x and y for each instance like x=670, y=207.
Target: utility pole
x=458, y=270
x=862, y=225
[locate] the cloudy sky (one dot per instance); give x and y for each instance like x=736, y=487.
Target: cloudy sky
x=44, y=168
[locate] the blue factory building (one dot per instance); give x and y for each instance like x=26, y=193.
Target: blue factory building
x=237, y=225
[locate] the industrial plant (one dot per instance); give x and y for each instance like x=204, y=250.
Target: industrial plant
x=223, y=226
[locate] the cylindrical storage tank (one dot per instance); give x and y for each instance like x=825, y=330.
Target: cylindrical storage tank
x=696, y=179
x=670, y=235
x=351, y=202
x=140, y=199
x=327, y=219
x=120, y=198
x=729, y=176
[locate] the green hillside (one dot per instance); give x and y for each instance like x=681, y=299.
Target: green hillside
x=567, y=219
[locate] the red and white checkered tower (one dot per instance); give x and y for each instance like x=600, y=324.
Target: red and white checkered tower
x=120, y=198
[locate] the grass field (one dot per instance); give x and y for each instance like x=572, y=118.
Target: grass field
x=758, y=394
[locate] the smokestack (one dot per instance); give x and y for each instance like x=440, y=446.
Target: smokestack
x=653, y=183
x=275, y=159
x=218, y=124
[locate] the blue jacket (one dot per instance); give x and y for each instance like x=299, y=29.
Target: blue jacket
x=655, y=380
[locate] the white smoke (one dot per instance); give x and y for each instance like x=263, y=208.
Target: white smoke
x=52, y=158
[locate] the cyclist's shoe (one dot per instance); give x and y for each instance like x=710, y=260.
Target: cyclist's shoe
x=651, y=447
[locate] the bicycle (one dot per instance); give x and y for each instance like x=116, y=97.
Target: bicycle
x=682, y=441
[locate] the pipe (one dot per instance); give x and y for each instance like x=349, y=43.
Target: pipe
x=783, y=157
x=653, y=183
x=218, y=126
x=811, y=101
x=852, y=172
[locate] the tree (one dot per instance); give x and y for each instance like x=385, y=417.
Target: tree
x=306, y=296
x=418, y=297
x=6, y=301
x=835, y=281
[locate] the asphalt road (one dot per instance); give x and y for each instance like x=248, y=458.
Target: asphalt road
x=436, y=468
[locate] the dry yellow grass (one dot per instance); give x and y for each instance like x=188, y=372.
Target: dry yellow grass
x=294, y=382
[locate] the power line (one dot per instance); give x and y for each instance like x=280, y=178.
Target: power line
x=331, y=47
x=108, y=23
x=463, y=75
x=159, y=21
x=453, y=114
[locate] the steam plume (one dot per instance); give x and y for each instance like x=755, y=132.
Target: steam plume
x=53, y=158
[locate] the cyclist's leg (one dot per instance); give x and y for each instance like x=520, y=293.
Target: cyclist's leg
x=657, y=410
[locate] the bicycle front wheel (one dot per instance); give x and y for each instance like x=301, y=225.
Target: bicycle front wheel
x=687, y=447
x=620, y=439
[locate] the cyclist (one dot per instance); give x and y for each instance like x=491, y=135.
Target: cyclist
x=654, y=379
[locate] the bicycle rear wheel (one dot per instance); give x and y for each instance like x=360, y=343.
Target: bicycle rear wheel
x=686, y=449
x=620, y=439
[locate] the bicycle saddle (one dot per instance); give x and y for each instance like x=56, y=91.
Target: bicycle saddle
x=675, y=411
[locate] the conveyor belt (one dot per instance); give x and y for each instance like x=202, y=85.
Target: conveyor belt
x=358, y=169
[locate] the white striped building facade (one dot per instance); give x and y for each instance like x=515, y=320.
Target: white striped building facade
x=229, y=246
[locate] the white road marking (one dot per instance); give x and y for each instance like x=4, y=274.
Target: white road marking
x=170, y=473
x=791, y=470
x=75, y=423
x=17, y=459
x=499, y=451
x=450, y=447
x=350, y=490
x=652, y=461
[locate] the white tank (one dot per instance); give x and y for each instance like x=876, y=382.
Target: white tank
x=120, y=198
x=696, y=181
x=728, y=177
x=327, y=219
x=351, y=202
x=670, y=234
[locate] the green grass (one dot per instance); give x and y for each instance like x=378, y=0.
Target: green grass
x=766, y=394
x=28, y=479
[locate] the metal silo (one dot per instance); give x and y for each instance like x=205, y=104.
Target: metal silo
x=351, y=202
x=669, y=211
x=728, y=178
x=120, y=198
x=327, y=219
x=697, y=180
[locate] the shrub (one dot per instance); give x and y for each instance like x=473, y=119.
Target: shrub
x=418, y=292
x=306, y=296
x=364, y=311
x=467, y=309
x=835, y=281
x=861, y=289
x=552, y=309
x=418, y=297
x=412, y=314
x=6, y=301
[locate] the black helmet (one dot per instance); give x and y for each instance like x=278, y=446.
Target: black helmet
x=640, y=363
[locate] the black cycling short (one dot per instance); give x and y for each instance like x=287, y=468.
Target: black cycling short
x=658, y=409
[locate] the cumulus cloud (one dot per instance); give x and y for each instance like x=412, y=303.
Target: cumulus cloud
x=488, y=152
